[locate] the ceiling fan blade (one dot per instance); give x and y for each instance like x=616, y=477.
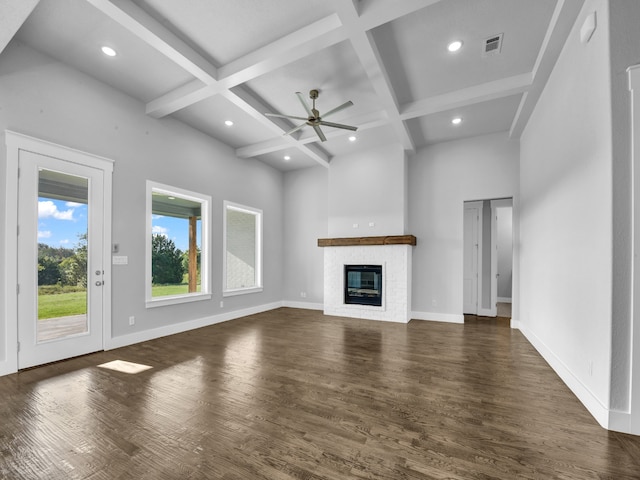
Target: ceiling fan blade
x=319, y=132
x=295, y=129
x=304, y=104
x=337, y=109
x=338, y=125
x=284, y=116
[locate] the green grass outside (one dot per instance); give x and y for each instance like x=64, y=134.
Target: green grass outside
x=75, y=303
x=62, y=305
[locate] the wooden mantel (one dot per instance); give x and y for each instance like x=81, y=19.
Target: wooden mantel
x=351, y=241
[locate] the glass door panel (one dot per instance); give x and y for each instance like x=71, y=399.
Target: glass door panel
x=62, y=255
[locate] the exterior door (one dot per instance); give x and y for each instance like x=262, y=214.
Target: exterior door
x=470, y=256
x=60, y=259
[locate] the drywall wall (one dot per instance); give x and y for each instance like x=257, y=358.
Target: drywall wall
x=367, y=193
x=306, y=219
x=441, y=178
x=566, y=217
x=43, y=98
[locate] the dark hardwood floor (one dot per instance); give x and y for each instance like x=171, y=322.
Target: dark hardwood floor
x=292, y=394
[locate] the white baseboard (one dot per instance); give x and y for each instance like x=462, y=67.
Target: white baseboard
x=438, y=317
x=504, y=299
x=621, y=422
x=595, y=407
x=146, y=335
x=305, y=305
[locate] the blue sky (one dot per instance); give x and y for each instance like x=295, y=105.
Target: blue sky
x=60, y=223
x=177, y=229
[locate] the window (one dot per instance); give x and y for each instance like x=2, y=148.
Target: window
x=177, y=245
x=242, y=267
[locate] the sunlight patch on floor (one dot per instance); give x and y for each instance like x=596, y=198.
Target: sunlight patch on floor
x=125, y=367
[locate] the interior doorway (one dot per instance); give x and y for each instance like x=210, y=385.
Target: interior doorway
x=488, y=258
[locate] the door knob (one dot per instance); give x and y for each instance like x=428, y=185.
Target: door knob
x=98, y=283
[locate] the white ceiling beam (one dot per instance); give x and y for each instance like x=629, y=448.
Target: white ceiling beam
x=183, y=96
x=292, y=47
x=562, y=20
x=367, y=51
x=149, y=30
x=299, y=44
x=468, y=96
x=13, y=13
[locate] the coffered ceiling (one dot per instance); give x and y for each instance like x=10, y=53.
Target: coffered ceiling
x=207, y=61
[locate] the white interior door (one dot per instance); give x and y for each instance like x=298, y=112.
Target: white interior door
x=470, y=256
x=60, y=259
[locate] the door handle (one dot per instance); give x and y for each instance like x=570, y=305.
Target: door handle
x=99, y=283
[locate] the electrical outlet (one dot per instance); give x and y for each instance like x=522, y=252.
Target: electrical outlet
x=221, y=304
x=303, y=294
x=355, y=225
x=434, y=303
x=132, y=320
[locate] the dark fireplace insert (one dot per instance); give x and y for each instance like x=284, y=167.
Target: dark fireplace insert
x=363, y=285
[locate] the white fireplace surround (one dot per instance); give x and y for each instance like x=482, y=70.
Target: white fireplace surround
x=396, y=281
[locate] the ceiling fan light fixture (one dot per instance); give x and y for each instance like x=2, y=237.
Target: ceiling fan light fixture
x=108, y=51
x=454, y=46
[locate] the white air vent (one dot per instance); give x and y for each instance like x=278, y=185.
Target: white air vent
x=492, y=45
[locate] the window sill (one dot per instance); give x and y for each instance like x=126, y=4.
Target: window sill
x=177, y=299
x=241, y=291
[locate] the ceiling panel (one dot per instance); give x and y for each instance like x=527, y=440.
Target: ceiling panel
x=414, y=47
x=73, y=32
x=479, y=119
x=335, y=71
x=209, y=116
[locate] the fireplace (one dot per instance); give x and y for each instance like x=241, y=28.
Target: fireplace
x=363, y=285
x=390, y=254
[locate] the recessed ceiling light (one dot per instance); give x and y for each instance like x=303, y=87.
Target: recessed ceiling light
x=228, y=123
x=108, y=51
x=456, y=121
x=287, y=158
x=352, y=138
x=454, y=46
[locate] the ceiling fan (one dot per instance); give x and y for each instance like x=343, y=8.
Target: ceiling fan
x=314, y=119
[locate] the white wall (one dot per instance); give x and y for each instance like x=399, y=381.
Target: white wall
x=566, y=217
x=45, y=99
x=368, y=187
x=306, y=212
x=441, y=178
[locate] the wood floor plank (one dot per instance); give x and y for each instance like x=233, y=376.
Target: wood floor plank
x=293, y=394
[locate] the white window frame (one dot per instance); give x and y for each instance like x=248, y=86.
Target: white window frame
x=205, y=270
x=258, y=287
